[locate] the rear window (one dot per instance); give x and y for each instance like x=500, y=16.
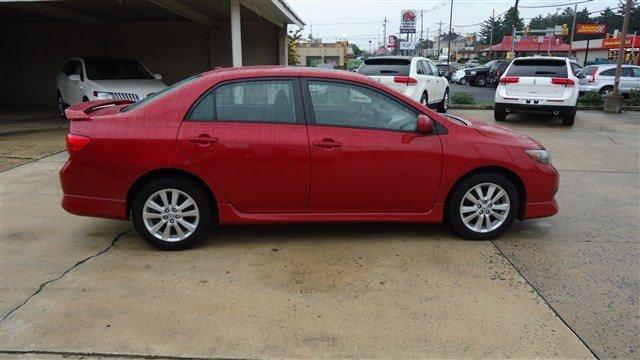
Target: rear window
x=538, y=68
x=385, y=67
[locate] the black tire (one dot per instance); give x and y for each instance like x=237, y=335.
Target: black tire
x=454, y=216
x=499, y=114
x=85, y=99
x=443, y=105
x=569, y=117
x=463, y=81
x=424, y=99
x=606, y=90
x=61, y=106
x=481, y=81
x=198, y=195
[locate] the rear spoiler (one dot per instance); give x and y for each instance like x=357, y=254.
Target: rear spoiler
x=80, y=112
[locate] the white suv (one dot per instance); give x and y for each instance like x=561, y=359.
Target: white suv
x=97, y=78
x=416, y=77
x=538, y=84
x=599, y=78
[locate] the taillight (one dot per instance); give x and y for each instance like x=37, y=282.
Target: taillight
x=75, y=143
x=509, y=80
x=562, y=81
x=593, y=75
x=405, y=80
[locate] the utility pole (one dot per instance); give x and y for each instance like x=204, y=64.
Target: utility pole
x=573, y=29
x=493, y=21
x=450, y=21
x=613, y=102
x=384, y=25
x=421, y=31
x=439, y=37
x=513, y=43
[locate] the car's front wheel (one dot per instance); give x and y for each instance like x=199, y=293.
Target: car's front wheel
x=171, y=213
x=463, y=81
x=61, y=106
x=481, y=81
x=443, y=105
x=483, y=206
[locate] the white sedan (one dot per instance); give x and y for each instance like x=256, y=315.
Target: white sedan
x=416, y=77
x=96, y=78
x=459, y=77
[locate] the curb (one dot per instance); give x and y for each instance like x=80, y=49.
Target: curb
x=490, y=107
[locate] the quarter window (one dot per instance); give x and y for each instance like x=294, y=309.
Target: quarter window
x=341, y=104
x=251, y=101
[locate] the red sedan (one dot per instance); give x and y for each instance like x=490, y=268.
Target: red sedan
x=259, y=145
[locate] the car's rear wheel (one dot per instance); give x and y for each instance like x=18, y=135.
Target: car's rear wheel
x=463, y=81
x=61, y=106
x=424, y=99
x=483, y=206
x=444, y=104
x=171, y=213
x=606, y=90
x=499, y=113
x=481, y=81
x=569, y=117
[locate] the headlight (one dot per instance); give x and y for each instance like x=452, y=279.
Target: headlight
x=473, y=73
x=541, y=156
x=102, y=95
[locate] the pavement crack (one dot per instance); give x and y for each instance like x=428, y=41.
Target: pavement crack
x=44, y=284
x=610, y=139
x=109, y=355
x=539, y=294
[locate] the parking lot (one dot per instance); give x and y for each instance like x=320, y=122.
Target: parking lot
x=565, y=286
x=481, y=95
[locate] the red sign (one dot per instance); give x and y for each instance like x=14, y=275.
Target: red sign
x=614, y=43
x=591, y=29
x=392, y=41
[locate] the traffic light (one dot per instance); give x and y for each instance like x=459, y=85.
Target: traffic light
x=565, y=29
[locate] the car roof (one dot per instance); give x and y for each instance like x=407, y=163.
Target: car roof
x=392, y=57
x=287, y=71
x=542, y=58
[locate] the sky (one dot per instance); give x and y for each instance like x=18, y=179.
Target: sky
x=359, y=21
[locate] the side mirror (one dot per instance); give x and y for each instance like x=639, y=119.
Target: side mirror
x=425, y=124
x=582, y=75
x=74, y=77
x=157, y=76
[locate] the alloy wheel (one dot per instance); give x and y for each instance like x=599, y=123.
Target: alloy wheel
x=170, y=215
x=445, y=101
x=485, y=207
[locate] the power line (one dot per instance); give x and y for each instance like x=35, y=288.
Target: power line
x=557, y=5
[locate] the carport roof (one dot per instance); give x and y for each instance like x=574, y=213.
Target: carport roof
x=104, y=12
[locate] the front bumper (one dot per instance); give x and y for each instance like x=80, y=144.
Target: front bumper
x=540, y=210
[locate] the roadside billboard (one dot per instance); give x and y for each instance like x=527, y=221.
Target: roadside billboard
x=591, y=29
x=408, y=21
x=391, y=44
x=407, y=45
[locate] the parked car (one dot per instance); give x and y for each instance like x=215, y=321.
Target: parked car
x=459, y=77
x=99, y=78
x=259, y=145
x=538, y=84
x=479, y=76
x=599, y=61
x=415, y=77
x=495, y=72
x=472, y=63
x=599, y=78
x=448, y=69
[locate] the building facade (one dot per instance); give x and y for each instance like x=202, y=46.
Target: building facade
x=316, y=53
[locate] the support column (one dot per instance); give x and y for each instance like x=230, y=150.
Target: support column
x=283, y=46
x=236, y=33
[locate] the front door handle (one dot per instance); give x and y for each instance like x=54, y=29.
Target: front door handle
x=327, y=144
x=203, y=139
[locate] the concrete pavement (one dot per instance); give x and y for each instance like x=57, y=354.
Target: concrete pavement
x=77, y=286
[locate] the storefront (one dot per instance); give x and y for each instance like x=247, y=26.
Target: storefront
x=601, y=50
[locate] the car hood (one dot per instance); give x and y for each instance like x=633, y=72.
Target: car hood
x=500, y=133
x=135, y=86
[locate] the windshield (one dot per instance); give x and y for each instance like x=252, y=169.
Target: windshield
x=490, y=63
x=385, y=66
x=159, y=94
x=115, y=69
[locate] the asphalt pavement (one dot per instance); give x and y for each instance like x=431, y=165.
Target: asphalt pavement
x=481, y=95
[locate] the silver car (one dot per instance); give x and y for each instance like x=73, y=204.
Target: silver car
x=599, y=78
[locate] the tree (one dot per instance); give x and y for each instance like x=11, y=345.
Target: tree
x=634, y=16
x=356, y=51
x=512, y=18
x=611, y=19
x=292, y=41
x=485, y=31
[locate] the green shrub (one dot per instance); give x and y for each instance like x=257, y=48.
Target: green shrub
x=634, y=98
x=463, y=98
x=591, y=99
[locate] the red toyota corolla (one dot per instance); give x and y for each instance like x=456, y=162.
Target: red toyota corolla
x=260, y=145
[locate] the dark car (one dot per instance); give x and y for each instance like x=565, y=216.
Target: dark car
x=496, y=71
x=479, y=76
x=447, y=70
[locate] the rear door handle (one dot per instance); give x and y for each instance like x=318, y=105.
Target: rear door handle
x=327, y=144
x=203, y=139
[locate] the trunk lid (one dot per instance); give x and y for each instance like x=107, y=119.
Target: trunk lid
x=536, y=78
x=90, y=109
x=535, y=87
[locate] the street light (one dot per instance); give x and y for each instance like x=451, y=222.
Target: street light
x=370, y=47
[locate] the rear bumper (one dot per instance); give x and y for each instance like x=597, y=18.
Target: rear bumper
x=96, y=207
x=540, y=210
x=550, y=109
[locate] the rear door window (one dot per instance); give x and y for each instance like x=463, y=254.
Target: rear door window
x=268, y=101
x=385, y=67
x=538, y=68
x=625, y=71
